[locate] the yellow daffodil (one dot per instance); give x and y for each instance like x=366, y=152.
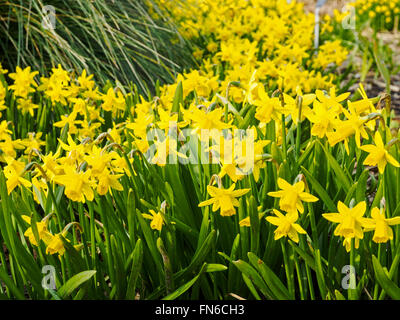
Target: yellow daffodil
x=13, y=173
x=286, y=225
x=350, y=220
x=322, y=118
x=381, y=225
x=164, y=149
x=33, y=142
x=267, y=108
x=224, y=199
x=245, y=222
x=112, y=101
x=23, y=81
x=108, y=181
x=43, y=232
x=291, y=196
x=56, y=244
x=78, y=185
x=347, y=243
x=75, y=151
x=354, y=125
x=86, y=82
x=69, y=119
x=201, y=119
x=378, y=155
x=291, y=107
x=4, y=131
x=98, y=160
x=156, y=218
x=26, y=106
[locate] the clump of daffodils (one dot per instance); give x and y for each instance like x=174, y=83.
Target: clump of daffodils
x=291, y=198
x=352, y=224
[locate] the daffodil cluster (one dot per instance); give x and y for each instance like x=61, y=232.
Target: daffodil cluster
x=256, y=80
x=352, y=224
x=383, y=14
x=54, y=242
x=274, y=37
x=291, y=201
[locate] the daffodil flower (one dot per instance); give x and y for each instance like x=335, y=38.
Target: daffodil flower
x=56, y=245
x=23, y=80
x=43, y=232
x=267, y=108
x=381, y=225
x=78, y=185
x=323, y=118
x=112, y=101
x=245, y=222
x=224, y=199
x=354, y=125
x=26, y=105
x=291, y=196
x=156, y=218
x=378, y=155
x=286, y=225
x=108, y=181
x=14, y=172
x=347, y=243
x=350, y=220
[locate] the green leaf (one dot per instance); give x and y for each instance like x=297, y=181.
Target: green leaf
x=254, y=224
x=319, y=190
x=362, y=186
x=383, y=70
x=181, y=290
x=388, y=285
x=341, y=175
x=339, y=296
x=178, y=99
x=304, y=255
x=254, y=276
x=75, y=282
x=202, y=252
x=215, y=267
x=151, y=244
x=251, y=287
x=10, y=285
x=350, y=193
x=135, y=270
x=306, y=153
x=271, y=279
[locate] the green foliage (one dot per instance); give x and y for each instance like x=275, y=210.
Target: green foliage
x=114, y=40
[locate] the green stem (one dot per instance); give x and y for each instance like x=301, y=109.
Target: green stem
x=289, y=275
x=352, y=294
x=284, y=138
x=92, y=239
x=317, y=253
x=53, y=199
x=299, y=276
x=393, y=269
x=298, y=129
x=308, y=272
x=376, y=286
